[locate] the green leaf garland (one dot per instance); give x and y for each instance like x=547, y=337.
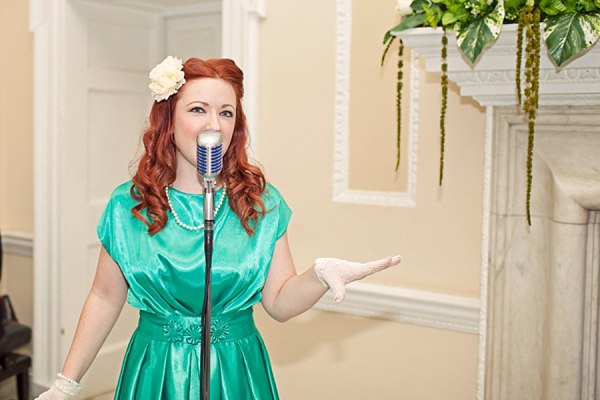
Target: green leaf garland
x=473, y=37
x=568, y=34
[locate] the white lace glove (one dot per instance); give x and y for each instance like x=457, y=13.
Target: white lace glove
x=63, y=389
x=336, y=274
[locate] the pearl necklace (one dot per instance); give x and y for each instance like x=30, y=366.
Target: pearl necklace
x=193, y=228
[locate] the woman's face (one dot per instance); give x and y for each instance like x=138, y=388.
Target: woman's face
x=203, y=104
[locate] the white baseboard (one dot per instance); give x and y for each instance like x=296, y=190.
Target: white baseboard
x=17, y=243
x=411, y=306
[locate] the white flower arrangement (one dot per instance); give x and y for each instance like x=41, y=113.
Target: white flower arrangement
x=167, y=77
x=403, y=7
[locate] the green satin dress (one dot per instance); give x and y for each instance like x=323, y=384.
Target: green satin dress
x=165, y=274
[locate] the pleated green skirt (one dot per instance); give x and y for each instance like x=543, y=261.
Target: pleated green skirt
x=163, y=360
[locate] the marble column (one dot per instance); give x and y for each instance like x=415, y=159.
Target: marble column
x=543, y=278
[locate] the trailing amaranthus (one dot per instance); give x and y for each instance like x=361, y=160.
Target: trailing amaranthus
x=399, y=103
x=519, y=55
x=398, y=94
x=444, y=102
x=531, y=20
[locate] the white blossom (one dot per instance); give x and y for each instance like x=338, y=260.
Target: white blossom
x=403, y=7
x=166, y=78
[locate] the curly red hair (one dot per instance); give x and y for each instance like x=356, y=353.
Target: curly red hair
x=158, y=165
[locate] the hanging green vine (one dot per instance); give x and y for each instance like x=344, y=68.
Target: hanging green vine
x=387, y=47
x=519, y=55
x=531, y=20
x=444, y=102
x=399, y=103
x=398, y=94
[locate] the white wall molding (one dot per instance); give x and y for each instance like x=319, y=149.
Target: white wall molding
x=341, y=190
x=485, y=249
x=17, y=243
x=47, y=101
x=199, y=8
x=180, y=9
x=240, y=41
x=418, y=307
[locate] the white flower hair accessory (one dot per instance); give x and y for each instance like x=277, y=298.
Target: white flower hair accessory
x=167, y=77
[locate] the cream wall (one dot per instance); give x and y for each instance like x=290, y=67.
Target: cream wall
x=16, y=117
x=326, y=355
x=16, y=149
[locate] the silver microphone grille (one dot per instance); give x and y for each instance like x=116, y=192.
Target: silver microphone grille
x=209, y=154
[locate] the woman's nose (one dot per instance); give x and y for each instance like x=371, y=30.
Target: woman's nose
x=213, y=123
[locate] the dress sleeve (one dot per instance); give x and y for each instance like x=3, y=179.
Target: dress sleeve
x=112, y=228
x=105, y=227
x=285, y=214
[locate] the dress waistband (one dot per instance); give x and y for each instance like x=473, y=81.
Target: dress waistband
x=180, y=329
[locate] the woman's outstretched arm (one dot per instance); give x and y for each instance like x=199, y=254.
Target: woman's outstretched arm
x=287, y=294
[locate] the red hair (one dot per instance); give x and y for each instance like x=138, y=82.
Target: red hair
x=158, y=165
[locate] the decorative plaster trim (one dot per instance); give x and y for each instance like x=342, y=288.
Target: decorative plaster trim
x=17, y=243
x=201, y=7
x=341, y=191
x=491, y=81
x=410, y=306
x=46, y=22
x=485, y=250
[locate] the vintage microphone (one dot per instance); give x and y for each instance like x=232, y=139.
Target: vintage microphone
x=209, y=162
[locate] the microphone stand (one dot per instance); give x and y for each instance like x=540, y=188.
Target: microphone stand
x=209, y=224
x=209, y=162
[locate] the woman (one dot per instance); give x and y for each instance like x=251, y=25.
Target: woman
x=157, y=262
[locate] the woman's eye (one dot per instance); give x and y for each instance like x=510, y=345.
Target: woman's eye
x=227, y=113
x=197, y=109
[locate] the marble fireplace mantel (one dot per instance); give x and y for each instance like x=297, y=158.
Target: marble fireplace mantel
x=539, y=284
x=491, y=81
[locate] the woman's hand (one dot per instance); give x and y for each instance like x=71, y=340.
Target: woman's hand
x=63, y=389
x=336, y=274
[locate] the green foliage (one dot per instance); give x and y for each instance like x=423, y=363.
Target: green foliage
x=568, y=34
x=512, y=9
x=570, y=26
x=410, y=21
x=553, y=7
x=472, y=38
x=417, y=5
x=433, y=15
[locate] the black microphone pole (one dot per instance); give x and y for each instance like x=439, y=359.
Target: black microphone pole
x=209, y=222
x=209, y=164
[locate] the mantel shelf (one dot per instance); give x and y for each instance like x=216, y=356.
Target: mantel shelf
x=491, y=81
